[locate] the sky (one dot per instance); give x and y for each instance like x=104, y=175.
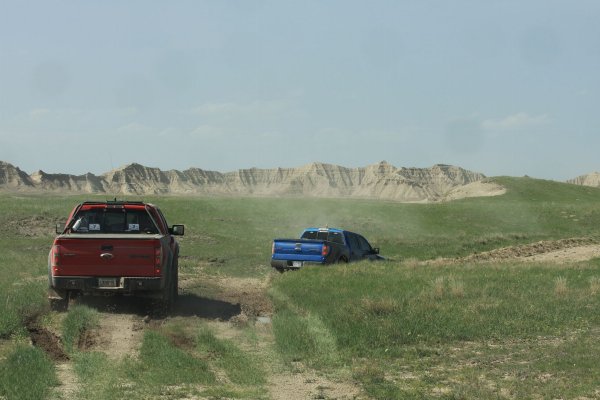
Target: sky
x=497, y=87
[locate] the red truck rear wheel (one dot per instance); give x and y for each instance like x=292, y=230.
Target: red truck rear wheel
x=169, y=294
x=59, y=300
x=175, y=282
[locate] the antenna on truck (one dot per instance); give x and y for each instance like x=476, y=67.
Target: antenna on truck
x=112, y=168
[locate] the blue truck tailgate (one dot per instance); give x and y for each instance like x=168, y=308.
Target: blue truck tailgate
x=299, y=250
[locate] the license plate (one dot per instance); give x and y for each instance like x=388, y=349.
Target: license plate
x=296, y=264
x=107, y=282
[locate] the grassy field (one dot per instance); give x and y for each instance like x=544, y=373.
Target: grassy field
x=461, y=331
x=396, y=329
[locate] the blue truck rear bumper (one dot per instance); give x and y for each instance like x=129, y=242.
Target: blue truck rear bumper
x=292, y=264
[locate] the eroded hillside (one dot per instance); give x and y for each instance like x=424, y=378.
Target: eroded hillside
x=379, y=181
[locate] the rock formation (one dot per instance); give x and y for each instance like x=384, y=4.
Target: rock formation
x=12, y=177
x=378, y=181
x=592, y=179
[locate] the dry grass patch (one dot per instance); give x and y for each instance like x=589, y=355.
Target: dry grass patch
x=439, y=287
x=560, y=286
x=384, y=306
x=442, y=285
x=457, y=287
x=412, y=262
x=594, y=285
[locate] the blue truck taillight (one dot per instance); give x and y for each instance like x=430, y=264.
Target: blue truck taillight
x=325, y=250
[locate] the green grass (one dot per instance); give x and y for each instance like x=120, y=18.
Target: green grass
x=79, y=321
x=240, y=368
x=21, y=300
x=100, y=378
x=302, y=336
x=376, y=309
x=27, y=374
x=162, y=371
x=163, y=364
x=412, y=317
x=402, y=329
x=532, y=210
x=166, y=369
x=543, y=367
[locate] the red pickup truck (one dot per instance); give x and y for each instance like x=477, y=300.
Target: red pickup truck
x=114, y=247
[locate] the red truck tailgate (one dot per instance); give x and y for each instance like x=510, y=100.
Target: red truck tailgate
x=106, y=256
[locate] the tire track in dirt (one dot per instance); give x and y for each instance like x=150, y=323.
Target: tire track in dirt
x=257, y=309
x=571, y=254
x=248, y=294
x=68, y=387
x=240, y=302
x=282, y=384
x=119, y=335
x=557, y=251
x=51, y=344
x=309, y=385
x=120, y=327
x=537, y=249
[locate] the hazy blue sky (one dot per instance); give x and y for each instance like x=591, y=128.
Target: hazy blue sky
x=499, y=87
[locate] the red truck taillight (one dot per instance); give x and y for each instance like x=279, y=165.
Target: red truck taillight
x=324, y=250
x=55, y=259
x=158, y=255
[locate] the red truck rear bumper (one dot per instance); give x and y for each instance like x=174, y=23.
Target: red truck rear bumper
x=106, y=284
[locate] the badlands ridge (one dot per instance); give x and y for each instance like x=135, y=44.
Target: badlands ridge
x=592, y=179
x=378, y=181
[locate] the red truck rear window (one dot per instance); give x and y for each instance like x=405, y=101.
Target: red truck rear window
x=113, y=220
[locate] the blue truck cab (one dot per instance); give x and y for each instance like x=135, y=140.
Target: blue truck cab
x=321, y=246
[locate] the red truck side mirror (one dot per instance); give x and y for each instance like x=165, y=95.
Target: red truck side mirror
x=177, y=230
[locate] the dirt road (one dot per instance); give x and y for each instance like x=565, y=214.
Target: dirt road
x=234, y=303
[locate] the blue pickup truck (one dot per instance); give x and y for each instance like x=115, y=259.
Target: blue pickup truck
x=321, y=246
